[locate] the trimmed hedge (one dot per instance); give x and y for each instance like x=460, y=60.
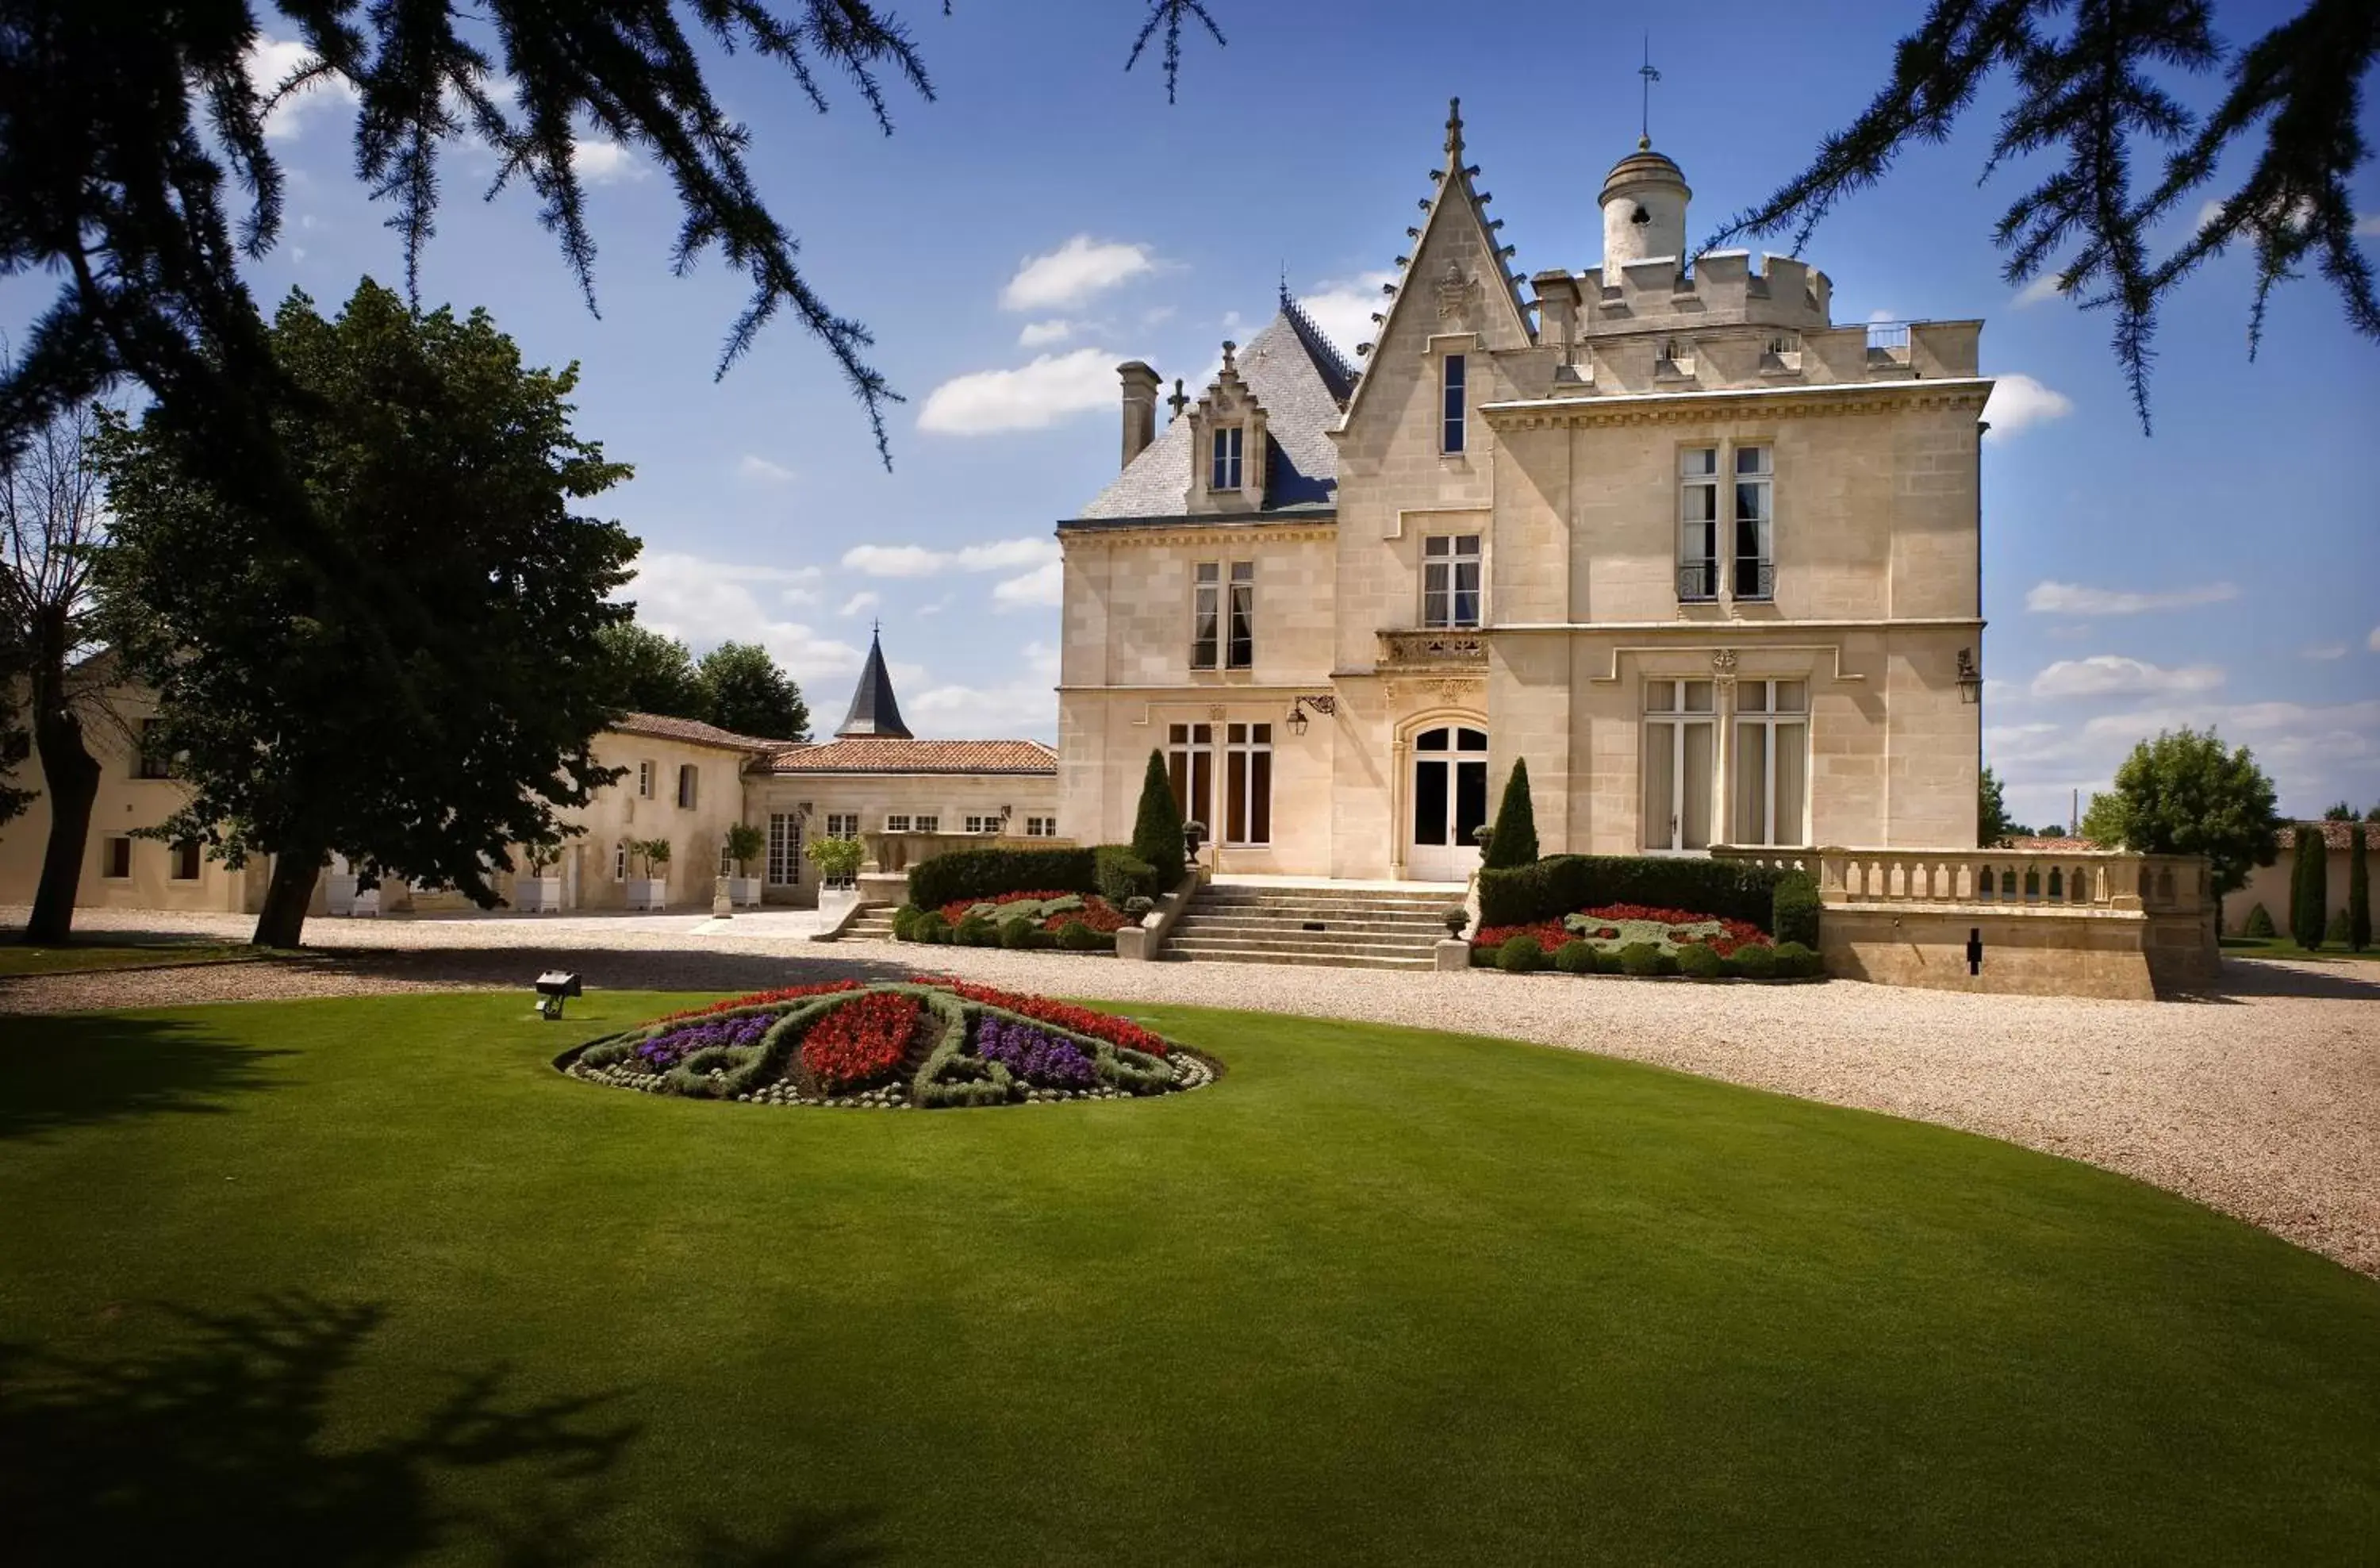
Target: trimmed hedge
x=1700, y=962
x=1118, y=875
x=1561, y=883
x=974, y=874
x=1519, y=954
x=1575, y=958
x=1793, y=909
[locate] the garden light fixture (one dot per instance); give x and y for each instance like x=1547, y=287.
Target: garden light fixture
x=1971, y=679
x=1325, y=704
x=552, y=987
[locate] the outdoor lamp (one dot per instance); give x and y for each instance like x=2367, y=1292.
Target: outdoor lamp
x=1971, y=679
x=552, y=987
x=1298, y=720
x=1325, y=704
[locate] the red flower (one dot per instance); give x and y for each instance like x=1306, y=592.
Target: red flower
x=1065, y=1015
x=761, y=998
x=865, y=1037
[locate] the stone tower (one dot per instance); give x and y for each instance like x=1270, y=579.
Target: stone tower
x=1645, y=199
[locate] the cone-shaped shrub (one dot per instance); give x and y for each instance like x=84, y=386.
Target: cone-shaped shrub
x=1513, y=840
x=2259, y=922
x=2309, y=887
x=1156, y=830
x=2358, y=888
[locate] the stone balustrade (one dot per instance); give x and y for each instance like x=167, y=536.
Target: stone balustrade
x=2000, y=879
x=897, y=852
x=1432, y=649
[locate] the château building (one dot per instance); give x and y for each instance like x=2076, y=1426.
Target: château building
x=1706, y=560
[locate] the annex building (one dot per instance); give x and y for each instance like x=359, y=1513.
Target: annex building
x=1704, y=558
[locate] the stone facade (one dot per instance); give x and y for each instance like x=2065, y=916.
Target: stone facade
x=1819, y=638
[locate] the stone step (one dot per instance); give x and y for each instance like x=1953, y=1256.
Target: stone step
x=1387, y=931
x=1322, y=960
x=1430, y=911
x=1300, y=941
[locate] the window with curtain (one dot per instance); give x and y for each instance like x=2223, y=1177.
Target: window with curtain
x=1772, y=762
x=1206, y=613
x=1247, y=784
x=1755, y=568
x=1449, y=581
x=1190, y=764
x=1224, y=472
x=1241, y=653
x=1680, y=764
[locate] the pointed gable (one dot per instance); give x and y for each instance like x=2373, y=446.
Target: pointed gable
x=873, y=712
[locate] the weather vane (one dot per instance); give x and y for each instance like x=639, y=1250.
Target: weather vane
x=1644, y=127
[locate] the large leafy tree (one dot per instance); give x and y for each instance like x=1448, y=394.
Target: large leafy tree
x=428, y=744
x=50, y=525
x=651, y=673
x=2092, y=94
x=2186, y=793
x=1993, y=823
x=743, y=690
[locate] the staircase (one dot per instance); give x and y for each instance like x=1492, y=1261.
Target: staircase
x=873, y=923
x=1358, y=928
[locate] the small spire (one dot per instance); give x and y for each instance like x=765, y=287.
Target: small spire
x=1454, y=131
x=1645, y=137
x=1230, y=348
x=1285, y=301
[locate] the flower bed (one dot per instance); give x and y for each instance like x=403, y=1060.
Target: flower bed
x=1078, y=922
x=1653, y=940
x=925, y=1044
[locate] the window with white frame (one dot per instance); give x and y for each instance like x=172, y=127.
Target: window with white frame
x=645, y=780
x=1451, y=372
x=843, y=824
x=1449, y=580
x=1239, y=650
x=1772, y=762
x=1223, y=471
x=1040, y=827
x=1698, y=522
x=1680, y=764
x=1206, y=613
x=784, y=865
x=1247, y=784
x=926, y=824
x=689, y=784
x=620, y=863
x=1756, y=564
x=896, y=822
x=1190, y=765
x=976, y=824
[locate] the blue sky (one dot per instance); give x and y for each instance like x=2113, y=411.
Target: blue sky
x=1051, y=215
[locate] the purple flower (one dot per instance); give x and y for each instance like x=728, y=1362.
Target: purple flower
x=666, y=1050
x=1037, y=1057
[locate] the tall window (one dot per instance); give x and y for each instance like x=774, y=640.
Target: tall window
x=1241, y=653
x=186, y=861
x=784, y=867
x=1247, y=784
x=843, y=824
x=153, y=762
x=1755, y=568
x=1772, y=761
x=1190, y=763
x=1698, y=523
x=1224, y=473
x=1449, y=581
x=1450, y=372
x=118, y=862
x=1680, y=764
x=620, y=863
x=689, y=780
x=1206, y=613
x=645, y=780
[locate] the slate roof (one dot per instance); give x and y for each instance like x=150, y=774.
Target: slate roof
x=876, y=755
x=1303, y=385
x=873, y=712
x=693, y=732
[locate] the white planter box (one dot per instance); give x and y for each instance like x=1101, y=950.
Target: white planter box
x=834, y=901
x=366, y=905
x=744, y=891
x=536, y=895
x=648, y=893
x=339, y=894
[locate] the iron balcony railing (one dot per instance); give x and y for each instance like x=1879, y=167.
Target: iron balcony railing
x=1753, y=578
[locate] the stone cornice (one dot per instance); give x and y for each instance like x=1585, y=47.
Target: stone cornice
x=1188, y=532
x=1665, y=407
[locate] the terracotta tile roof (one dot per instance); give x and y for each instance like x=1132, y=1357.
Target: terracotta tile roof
x=693, y=732
x=871, y=754
x=2334, y=833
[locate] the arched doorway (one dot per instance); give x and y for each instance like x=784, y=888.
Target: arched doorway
x=1446, y=800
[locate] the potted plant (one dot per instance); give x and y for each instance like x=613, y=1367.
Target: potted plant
x=745, y=844
x=1194, y=833
x=539, y=891
x=1456, y=918
x=838, y=861
x=651, y=890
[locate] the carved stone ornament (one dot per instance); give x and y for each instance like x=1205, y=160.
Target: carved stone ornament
x=1456, y=294
x=1215, y=711
x=1723, y=663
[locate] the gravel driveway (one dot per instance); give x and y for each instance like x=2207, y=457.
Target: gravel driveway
x=2262, y=1099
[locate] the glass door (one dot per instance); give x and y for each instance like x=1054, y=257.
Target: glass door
x=1449, y=800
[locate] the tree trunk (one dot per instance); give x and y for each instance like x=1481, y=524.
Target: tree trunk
x=283, y=919
x=70, y=776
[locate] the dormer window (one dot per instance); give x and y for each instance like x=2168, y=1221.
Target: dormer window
x=1224, y=473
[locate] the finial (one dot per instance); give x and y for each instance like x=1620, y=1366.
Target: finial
x=1645, y=137
x=1454, y=130
x=1229, y=349
x=1180, y=400
x=876, y=632
x=1285, y=285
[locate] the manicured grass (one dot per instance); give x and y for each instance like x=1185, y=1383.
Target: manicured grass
x=366, y=1281
x=17, y=957
x=2282, y=947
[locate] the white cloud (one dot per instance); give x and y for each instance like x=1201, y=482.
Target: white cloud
x=1073, y=272
x=2315, y=753
x=1880, y=315
x=1043, y=585
x=2040, y=291
x=705, y=602
x=762, y=471
x=2323, y=651
x=938, y=606
x=1030, y=397
x=2018, y=401
x=916, y=561
x=2208, y=211
x=2112, y=675
x=2373, y=642
x=1036, y=334
x=1026, y=706
x=272, y=62
x=602, y=161
x=865, y=598
x=2367, y=224
x=1343, y=309
x=2075, y=599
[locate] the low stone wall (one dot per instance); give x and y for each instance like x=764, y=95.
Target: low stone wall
x=2025, y=951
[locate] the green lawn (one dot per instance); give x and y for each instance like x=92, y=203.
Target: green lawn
x=367, y=1282
x=18, y=957
x=2282, y=947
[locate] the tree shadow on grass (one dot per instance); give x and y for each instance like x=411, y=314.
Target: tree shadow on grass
x=212, y=1448
x=62, y=1072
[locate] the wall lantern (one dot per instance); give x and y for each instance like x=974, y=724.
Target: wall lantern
x=1325, y=705
x=1971, y=679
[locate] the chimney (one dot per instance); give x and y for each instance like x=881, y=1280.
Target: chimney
x=1140, y=384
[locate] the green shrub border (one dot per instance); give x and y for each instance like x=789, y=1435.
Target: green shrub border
x=1781, y=902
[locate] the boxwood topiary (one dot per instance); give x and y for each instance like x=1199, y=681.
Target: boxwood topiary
x=1700, y=961
x=985, y=873
x=1575, y=958
x=1793, y=909
x=904, y=922
x=1640, y=958
x=1076, y=936
x=1119, y=875
x=2259, y=923
x=1019, y=933
x=1756, y=961
x=1519, y=954
x=1561, y=883
x=976, y=931
x=1795, y=962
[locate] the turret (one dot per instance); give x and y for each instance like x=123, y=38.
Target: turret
x=1645, y=199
